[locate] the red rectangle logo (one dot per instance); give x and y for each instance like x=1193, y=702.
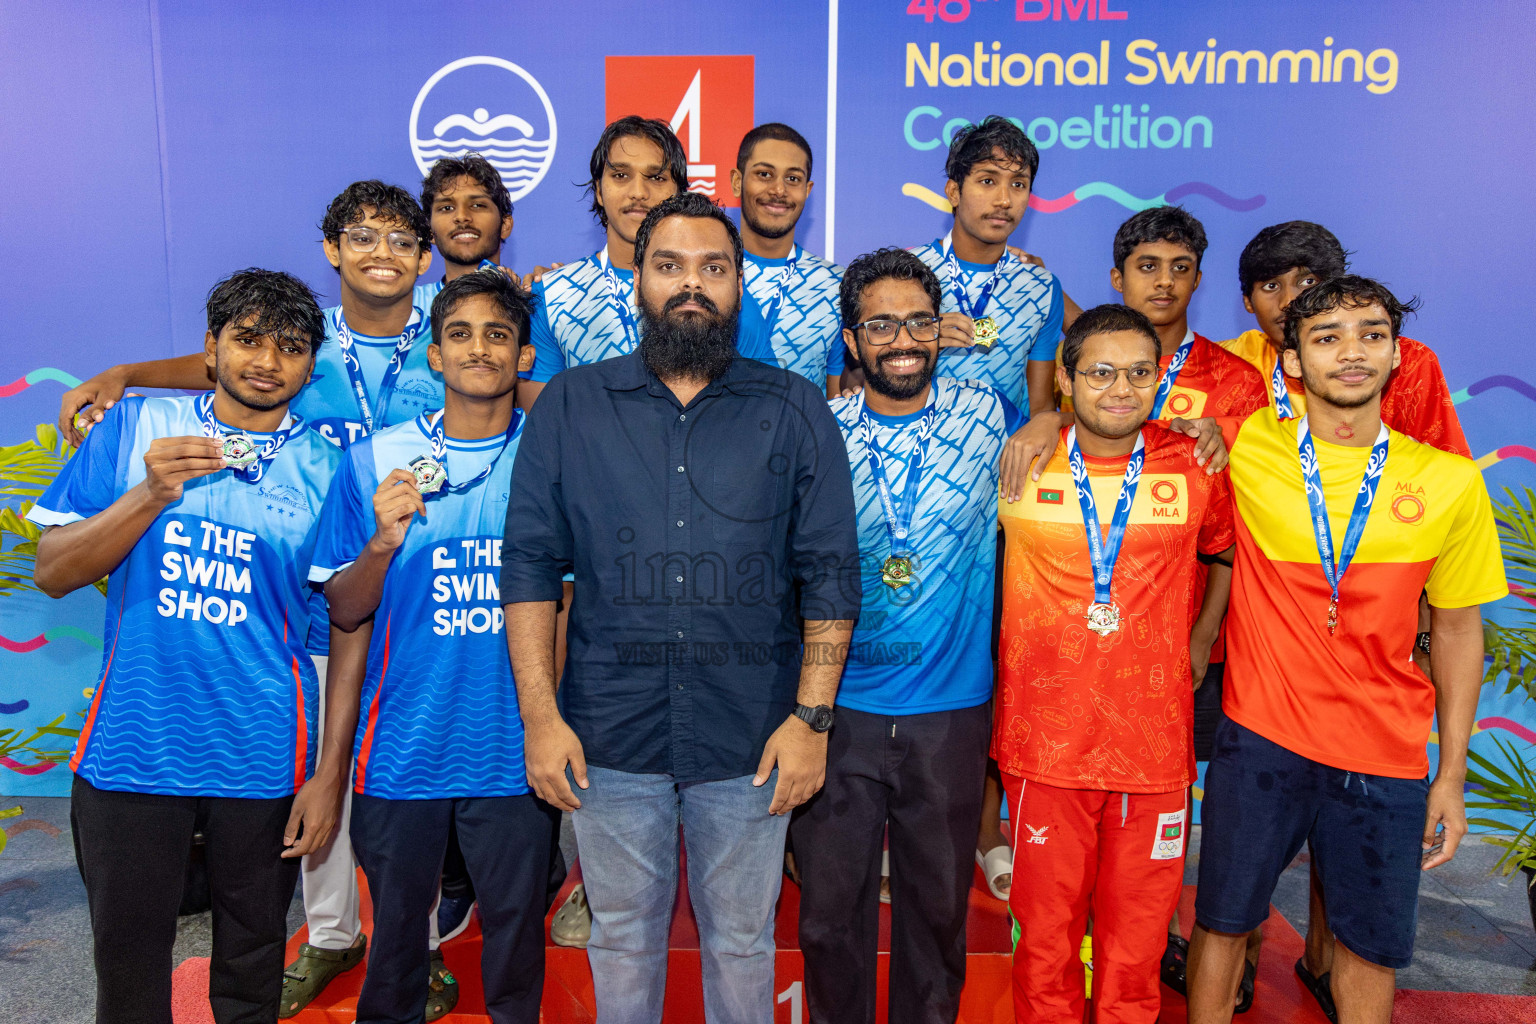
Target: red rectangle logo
x=706, y=100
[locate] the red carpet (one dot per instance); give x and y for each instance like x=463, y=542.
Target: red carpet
x=1279, y=996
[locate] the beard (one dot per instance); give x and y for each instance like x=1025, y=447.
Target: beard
x=763, y=230
x=261, y=401
x=694, y=346
x=898, y=388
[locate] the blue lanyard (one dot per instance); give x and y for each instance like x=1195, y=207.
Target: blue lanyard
x=898, y=517
x=1180, y=357
x=431, y=424
x=1277, y=385
x=1322, y=530
x=963, y=301
x=620, y=302
x=253, y=473
x=771, y=310
x=1105, y=553
x=418, y=323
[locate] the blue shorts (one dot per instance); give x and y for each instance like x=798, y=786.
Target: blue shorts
x=1262, y=802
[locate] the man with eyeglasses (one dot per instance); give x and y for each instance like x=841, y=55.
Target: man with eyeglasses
x=913, y=709
x=1092, y=727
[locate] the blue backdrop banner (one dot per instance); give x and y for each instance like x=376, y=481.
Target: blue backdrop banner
x=157, y=147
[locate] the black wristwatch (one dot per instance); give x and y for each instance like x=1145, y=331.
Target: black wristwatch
x=819, y=718
x=1422, y=642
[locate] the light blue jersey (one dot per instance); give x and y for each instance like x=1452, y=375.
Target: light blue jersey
x=927, y=646
x=440, y=717
x=1027, y=306
x=205, y=689
x=807, y=332
x=578, y=318
x=423, y=295
x=329, y=404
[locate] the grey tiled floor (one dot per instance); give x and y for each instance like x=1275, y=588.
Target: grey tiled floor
x=1474, y=932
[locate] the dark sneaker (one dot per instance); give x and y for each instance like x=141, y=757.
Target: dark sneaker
x=453, y=916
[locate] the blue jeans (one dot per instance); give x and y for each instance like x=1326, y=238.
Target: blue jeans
x=627, y=832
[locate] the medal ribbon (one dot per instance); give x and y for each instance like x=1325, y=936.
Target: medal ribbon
x=1104, y=553
x=431, y=424
x=417, y=324
x=1282, y=397
x=898, y=517
x=1180, y=357
x=1322, y=530
x=770, y=311
x=957, y=281
x=622, y=304
x=252, y=474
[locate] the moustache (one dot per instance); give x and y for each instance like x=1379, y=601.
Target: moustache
x=697, y=298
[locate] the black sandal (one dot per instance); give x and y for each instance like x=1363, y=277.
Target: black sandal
x=1175, y=968
x=1321, y=988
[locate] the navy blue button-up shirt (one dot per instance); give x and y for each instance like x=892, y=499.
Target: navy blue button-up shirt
x=699, y=537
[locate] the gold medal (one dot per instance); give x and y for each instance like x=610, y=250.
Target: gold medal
x=897, y=572
x=986, y=332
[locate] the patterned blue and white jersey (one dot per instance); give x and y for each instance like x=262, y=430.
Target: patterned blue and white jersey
x=205, y=688
x=1027, y=306
x=927, y=646
x=807, y=332
x=575, y=321
x=328, y=403
x=440, y=717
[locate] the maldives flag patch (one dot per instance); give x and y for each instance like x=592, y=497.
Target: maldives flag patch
x=1048, y=497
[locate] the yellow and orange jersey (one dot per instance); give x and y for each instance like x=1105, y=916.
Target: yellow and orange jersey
x=1076, y=710
x=1353, y=699
x=1213, y=382
x=1417, y=400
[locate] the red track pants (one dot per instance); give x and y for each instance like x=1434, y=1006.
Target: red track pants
x=1078, y=854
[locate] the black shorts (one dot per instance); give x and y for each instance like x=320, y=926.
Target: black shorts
x=1208, y=710
x=1262, y=802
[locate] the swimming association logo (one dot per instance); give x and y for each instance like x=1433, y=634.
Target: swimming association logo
x=489, y=106
x=706, y=99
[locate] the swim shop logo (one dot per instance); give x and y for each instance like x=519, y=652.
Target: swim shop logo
x=706, y=99
x=489, y=106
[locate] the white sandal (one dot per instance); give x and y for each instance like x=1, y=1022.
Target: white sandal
x=995, y=863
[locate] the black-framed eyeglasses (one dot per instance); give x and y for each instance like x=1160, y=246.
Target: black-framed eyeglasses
x=1100, y=376
x=883, y=332
x=401, y=243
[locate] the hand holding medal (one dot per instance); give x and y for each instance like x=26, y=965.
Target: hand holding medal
x=395, y=503
x=239, y=450
x=172, y=461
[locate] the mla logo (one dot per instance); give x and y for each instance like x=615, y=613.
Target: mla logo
x=489, y=106
x=1408, y=504
x=707, y=101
